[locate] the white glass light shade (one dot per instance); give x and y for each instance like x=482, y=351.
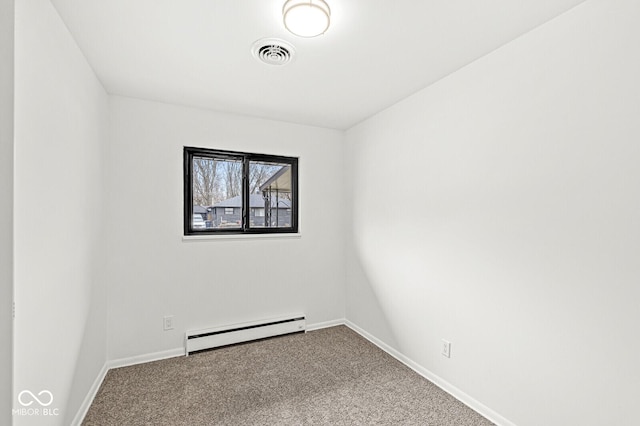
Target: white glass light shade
x=306, y=18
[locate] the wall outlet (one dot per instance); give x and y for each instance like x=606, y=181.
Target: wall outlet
x=446, y=348
x=168, y=322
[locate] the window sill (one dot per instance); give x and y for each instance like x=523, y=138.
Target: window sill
x=283, y=236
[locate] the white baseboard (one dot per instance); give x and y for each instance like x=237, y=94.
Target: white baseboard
x=325, y=324
x=141, y=359
x=88, y=400
x=171, y=353
x=436, y=380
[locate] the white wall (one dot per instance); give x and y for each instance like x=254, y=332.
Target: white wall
x=6, y=205
x=152, y=272
x=499, y=209
x=61, y=125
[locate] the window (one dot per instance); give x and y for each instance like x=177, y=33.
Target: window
x=243, y=193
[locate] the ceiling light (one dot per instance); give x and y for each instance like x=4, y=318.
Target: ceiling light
x=306, y=18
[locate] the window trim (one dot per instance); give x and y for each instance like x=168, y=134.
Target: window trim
x=190, y=152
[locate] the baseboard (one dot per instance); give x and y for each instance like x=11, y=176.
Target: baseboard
x=88, y=400
x=171, y=353
x=438, y=381
x=141, y=359
x=325, y=324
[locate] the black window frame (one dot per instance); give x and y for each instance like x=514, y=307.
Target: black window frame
x=190, y=152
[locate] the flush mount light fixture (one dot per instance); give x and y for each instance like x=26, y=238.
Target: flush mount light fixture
x=306, y=18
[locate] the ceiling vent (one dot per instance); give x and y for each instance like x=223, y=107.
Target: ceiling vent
x=273, y=51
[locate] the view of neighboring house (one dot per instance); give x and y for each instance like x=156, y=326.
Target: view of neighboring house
x=228, y=213
x=270, y=208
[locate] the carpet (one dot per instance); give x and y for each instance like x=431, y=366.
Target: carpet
x=331, y=376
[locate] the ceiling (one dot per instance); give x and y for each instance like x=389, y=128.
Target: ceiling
x=376, y=52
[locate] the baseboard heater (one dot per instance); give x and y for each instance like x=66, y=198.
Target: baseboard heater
x=200, y=340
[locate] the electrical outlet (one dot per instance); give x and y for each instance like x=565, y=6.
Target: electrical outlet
x=168, y=322
x=446, y=348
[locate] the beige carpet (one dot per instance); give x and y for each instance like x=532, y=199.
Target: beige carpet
x=331, y=376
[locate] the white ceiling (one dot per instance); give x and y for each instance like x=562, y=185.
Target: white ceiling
x=376, y=52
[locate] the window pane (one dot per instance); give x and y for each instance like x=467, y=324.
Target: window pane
x=217, y=192
x=219, y=184
x=271, y=195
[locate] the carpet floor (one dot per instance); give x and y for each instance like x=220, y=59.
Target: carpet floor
x=331, y=376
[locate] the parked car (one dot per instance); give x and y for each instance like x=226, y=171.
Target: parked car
x=197, y=222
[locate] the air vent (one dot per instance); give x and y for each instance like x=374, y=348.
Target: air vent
x=273, y=51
